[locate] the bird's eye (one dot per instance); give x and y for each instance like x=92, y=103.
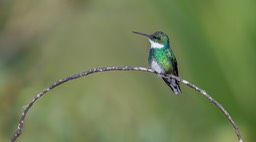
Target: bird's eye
x=157, y=37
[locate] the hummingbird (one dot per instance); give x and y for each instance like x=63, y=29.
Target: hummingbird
x=161, y=58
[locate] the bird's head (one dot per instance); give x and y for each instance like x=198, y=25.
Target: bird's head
x=157, y=39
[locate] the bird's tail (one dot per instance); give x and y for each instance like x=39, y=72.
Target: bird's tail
x=173, y=84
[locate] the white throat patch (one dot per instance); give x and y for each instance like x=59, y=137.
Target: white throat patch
x=155, y=44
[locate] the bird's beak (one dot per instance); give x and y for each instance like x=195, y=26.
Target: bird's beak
x=147, y=35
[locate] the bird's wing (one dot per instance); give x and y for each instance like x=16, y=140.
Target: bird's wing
x=175, y=66
x=172, y=83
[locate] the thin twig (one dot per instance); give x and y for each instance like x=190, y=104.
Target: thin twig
x=18, y=131
x=214, y=102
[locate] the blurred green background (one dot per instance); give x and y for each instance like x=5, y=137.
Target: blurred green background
x=44, y=41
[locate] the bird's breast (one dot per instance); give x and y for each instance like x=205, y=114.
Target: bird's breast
x=156, y=67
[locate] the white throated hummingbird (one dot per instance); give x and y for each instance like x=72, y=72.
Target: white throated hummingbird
x=161, y=58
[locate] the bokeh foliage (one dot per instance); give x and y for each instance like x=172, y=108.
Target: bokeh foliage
x=43, y=41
